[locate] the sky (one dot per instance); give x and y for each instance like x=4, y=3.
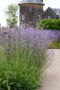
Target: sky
x=4, y=4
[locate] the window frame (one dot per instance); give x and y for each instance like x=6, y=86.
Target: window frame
x=23, y=17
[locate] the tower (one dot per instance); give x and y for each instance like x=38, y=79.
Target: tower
x=30, y=12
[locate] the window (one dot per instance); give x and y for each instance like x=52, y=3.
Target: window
x=23, y=17
x=38, y=17
x=30, y=8
x=57, y=13
x=49, y=17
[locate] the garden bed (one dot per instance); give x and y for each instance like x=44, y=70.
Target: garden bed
x=23, y=57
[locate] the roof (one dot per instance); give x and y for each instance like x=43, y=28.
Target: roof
x=49, y=9
x=31, y=2
x=49, y=12
x=57, y=11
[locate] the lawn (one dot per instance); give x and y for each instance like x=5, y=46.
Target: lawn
x=55, y=45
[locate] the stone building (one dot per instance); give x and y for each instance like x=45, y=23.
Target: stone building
x=49, y=14
x=30, y=12
x=57, y=11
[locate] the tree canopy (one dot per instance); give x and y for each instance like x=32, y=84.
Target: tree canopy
x=11, y=13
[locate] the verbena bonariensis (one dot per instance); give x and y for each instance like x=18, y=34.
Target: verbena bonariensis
x=24, y=58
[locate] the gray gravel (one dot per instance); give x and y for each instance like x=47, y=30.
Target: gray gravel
x=51, y=80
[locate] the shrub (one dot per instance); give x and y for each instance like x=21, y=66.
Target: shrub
x=22, y=59
x=52, y=24
x=21, y=73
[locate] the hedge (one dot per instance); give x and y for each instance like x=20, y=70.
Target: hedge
x=52, y=24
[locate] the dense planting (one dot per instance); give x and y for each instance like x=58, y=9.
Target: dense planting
x=56, y=44
x=52, y=24
x=23, y=57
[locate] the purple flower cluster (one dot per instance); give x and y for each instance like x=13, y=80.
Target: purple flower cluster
x=40, y=37
x=28, y=38
x=23, y=56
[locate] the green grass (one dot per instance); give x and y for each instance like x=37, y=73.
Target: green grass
x=55, y=45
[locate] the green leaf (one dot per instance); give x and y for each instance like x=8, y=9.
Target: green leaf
x=4, y=82
x=8, y=87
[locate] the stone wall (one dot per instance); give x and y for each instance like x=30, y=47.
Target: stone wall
x=30, y=15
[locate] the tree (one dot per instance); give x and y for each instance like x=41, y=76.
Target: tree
x=12, y=17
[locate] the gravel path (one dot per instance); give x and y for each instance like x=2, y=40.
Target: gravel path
x=51, y=79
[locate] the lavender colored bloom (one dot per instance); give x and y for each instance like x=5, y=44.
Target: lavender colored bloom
x=28, y=38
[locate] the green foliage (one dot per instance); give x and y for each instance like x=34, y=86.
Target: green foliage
x=52, y=24
x=11, y=13
x=20, y=70
x=55, y=45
